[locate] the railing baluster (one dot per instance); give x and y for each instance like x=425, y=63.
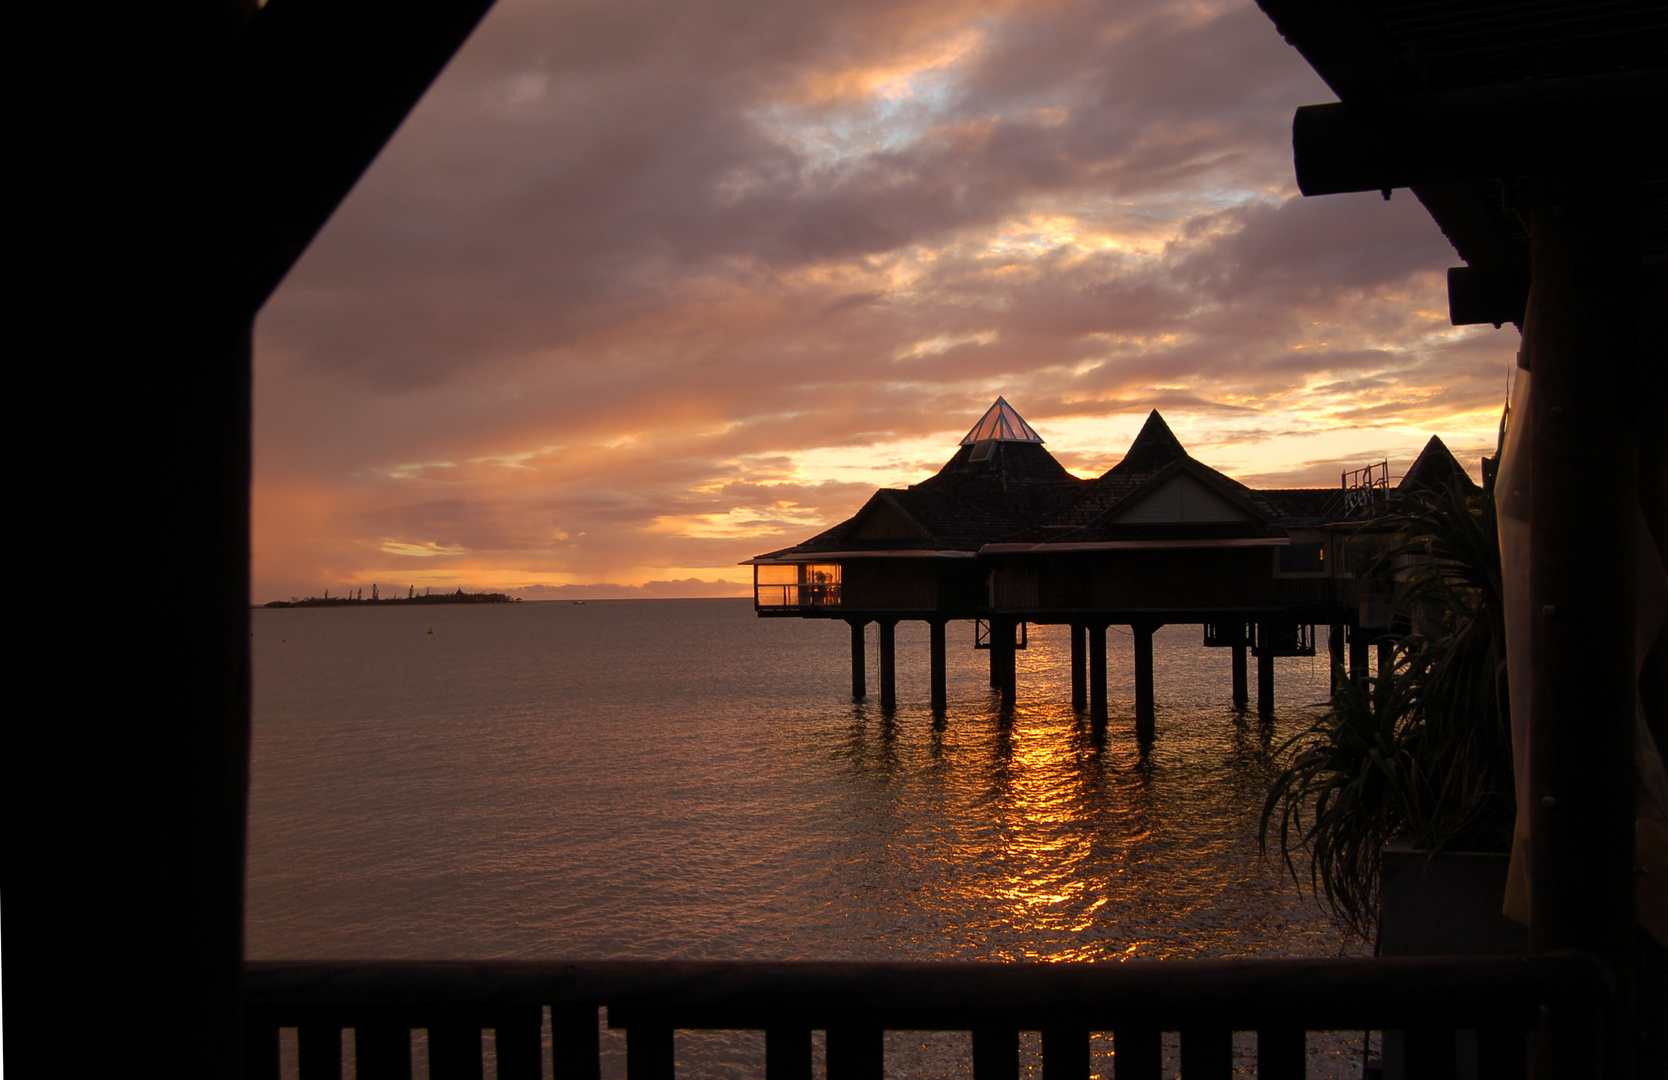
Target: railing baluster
x=649, y=1052
x=1207, y=1053
x=1283, y=1054
x=788, y=1053
x=1065, y=1054
x=856, y=1053
x=1138, y=1053
x=318, y=1051
x=1502, y=1053
x=516, y=1039
x=574, y=1052
x=382, y=1052
x=995, y=1054
x=455, y=1051
x=260, y=1048
x=1428, y=1053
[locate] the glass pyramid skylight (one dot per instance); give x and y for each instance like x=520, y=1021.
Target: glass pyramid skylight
x=1002, y=423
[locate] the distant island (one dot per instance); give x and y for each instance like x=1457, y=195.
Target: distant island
x=351, y=600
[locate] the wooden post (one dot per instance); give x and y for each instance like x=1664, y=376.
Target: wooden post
x=1335, y=653
x=454, y=1051
x=1580, y=337
x=1079, y=667
x=995, y=1054
x=1065, y=1054
x=649, y=1053
x=788, y=1051
x=940, y=691
x=1097, y=674
x=1242, y=693
x=856, y=1053
x=1265, y=673
x=888, y=664
x=859, y=680
x=573, y=1043
x=1007, y=675
x=1358, y=656
x=1143, y=679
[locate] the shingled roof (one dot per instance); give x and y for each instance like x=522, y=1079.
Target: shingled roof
x=1002, y=486
x=993, y=486
x=1434, y=469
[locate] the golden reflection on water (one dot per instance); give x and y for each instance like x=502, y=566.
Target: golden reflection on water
x=1037, y=839
x=685, y=780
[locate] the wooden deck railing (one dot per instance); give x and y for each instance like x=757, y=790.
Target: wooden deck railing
x=1427, y=999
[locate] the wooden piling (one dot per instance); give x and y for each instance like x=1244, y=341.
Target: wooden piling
x=1335, y=653
x=940, y=690
x=1242, y=693
x=1358, y=655
x=1003, y=630
x=1265, y=673
x=1079, y=667
x=1097, y=674
x=888, y=664
x=859, y=680
x=1144, y=679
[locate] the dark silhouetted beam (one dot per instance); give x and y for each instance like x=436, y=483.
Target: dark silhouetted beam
x=1478, y=295
x=1480, y=133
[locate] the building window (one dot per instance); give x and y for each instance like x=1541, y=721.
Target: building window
x=796, y=584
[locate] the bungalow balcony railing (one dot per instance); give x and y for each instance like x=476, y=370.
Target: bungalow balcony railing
x=817, y=594
x=540, y=1019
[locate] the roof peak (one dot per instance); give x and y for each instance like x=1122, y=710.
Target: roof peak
x=1002, y=423
x=1155, y=447
x=1434, y=468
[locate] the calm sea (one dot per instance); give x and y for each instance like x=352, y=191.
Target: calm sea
x=678, y=778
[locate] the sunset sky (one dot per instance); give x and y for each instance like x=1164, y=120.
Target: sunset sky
x=642, y=289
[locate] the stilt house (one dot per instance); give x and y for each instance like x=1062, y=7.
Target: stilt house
x=1003, y=535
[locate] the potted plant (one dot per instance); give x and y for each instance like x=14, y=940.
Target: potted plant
x=1412, y=766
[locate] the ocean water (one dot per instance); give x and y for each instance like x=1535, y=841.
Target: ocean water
x=680, y=779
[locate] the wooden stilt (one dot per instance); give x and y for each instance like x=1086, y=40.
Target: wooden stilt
x=1007, y=684
x=1581, y=338
x=1335, y=652
x=1265, y=674
x=1079, y=667
x=888, y=664
x=1097, y=674
x=1242, y=693
x=859, y=680
x=1144, y=679
x=1358, y=655
x=940, y=691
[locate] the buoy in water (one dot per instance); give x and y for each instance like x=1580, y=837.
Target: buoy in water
x=431, y=629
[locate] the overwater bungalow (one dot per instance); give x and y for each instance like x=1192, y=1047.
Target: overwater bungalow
x=1004, y=536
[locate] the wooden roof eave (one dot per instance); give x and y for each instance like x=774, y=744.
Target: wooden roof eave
x=1064, y=546
x=793, y=558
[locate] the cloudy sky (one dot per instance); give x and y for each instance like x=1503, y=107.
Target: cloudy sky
x=643, y=287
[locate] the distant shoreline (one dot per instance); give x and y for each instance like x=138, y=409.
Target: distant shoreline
x=459, y=597
x=485, y=598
